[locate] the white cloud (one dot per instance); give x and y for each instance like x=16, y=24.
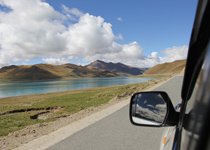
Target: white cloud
x=119, y=37
x=76, y=12
x=175, y=53
x=73, y=14
x=33, y=29
x=132, y=54
x=56, y=61
x=119, y=19
x=91, y=35
x=120, y=53
x=25, y=64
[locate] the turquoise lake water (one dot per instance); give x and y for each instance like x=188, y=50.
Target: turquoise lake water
x=8, y=89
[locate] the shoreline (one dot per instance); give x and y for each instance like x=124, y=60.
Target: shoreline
x=70, y=89
x=57, y=79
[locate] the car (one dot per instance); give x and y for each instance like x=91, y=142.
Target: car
x=188, y=124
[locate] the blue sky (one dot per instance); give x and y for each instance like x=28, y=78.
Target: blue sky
x=137, y=33
x=156, y=25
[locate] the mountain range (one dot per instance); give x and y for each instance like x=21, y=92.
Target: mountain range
x=48, y=71
x=118, y=68
x=95, y=69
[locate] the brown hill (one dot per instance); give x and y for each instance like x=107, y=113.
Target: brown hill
x=167, y=68
x=116, y=68
x=47, y=71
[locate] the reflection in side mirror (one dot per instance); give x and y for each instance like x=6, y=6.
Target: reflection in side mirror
x=148, y=108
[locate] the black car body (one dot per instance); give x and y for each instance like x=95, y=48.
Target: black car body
x=191, y=124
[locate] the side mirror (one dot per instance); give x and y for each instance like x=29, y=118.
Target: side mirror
x=152, y=109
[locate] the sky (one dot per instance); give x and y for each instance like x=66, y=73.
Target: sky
x=135, y=32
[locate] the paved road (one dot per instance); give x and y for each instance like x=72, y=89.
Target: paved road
x=115, y=132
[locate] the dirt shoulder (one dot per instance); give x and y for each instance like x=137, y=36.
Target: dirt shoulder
x=43, y=135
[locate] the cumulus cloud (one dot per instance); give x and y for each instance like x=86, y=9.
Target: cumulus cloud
x=91, y=35
x=34, y=29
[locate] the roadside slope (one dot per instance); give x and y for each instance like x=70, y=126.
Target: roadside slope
x=167, y=68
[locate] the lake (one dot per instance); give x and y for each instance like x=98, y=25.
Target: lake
x=8, y=89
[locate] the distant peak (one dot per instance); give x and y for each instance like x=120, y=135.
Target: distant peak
x=115, y=67
x=99, y=61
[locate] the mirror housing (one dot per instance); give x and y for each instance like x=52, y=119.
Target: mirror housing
x=152, y=109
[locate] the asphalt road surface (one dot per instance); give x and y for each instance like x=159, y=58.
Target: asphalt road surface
x=115, y=132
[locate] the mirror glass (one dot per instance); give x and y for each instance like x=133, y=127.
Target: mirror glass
x=148, y=108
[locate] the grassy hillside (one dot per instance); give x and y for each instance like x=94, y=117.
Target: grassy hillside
x=47, y=71
x=167, y=68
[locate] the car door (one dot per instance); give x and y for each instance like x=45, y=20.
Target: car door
x=197, y=120
x=196, y=85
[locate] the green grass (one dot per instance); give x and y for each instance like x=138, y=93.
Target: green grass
x=154, y=76
x=11, y=123
x=70, y=101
